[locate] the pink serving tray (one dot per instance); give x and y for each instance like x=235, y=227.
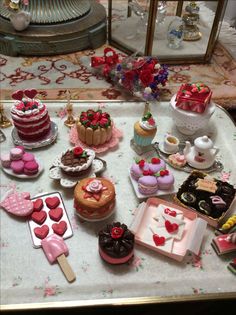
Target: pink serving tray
x=192, y=236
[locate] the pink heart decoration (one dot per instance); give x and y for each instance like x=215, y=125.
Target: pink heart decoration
x=158, y=240
x=52, y=202
x=18, y=95
x=56, y=214
x=18, y=204
x=41, y=232
x=59, y=228
x=38, y=204
x=171, y=227
x=31, y=93
x=39, y=217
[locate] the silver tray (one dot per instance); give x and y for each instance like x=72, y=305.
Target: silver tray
x=48, y=139
x=216, y=167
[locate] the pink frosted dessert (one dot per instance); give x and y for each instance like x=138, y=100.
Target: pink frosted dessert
x=28, y=157
x=17, y=167
x=54, y=246
x=16, y=154
x=147, y=185
x=156, y=165
x=5, y=160
x=165, y=180
x=31, y=168
x=137, y=169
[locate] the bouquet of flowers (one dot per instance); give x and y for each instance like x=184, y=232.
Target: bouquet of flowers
x=15, y=4
x=142, y=76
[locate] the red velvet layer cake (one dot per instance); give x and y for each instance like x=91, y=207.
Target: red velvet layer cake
x=193, y=97
x=31, y=119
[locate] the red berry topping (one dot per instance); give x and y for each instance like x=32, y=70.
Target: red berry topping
x=155, y=160
x=141, y=163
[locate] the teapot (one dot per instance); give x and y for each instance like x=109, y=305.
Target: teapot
x=20, y=20
x=202, y=154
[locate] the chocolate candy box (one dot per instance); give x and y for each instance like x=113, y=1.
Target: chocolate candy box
x=209, y=197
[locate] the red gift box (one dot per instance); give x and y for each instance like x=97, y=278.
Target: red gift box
x=193, y=97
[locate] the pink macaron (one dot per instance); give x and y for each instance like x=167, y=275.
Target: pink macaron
x=28, y=157
x=165, y=180
x=17, y=167
x=21, y=147
x=5, y=160
x=147, y=185
x=31, y=168
x=16, y=154
x=156, y=165
x=136, y=170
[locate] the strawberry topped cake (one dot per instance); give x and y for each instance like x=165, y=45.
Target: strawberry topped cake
x=94, y=127
x=193, y=97
x=30, y=116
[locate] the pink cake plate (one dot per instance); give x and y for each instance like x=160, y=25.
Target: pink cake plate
x=116, y=136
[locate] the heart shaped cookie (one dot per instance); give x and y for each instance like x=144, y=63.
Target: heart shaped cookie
x=41, y=232
x=170, y=212
x=59, y=228
x=171, y=227
x=18, y=95
x=39, y=217
x=158, y=240
x=31, y=93
x=52, y=202
x=38, y=204
x=56, y=214
x=18, y=204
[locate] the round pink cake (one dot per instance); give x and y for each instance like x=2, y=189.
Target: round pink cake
x=156, y=165
x=147, y=185
x=137, y=169
x=31, y=119
x=165, y=180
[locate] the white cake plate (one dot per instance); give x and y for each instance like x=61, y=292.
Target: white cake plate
x=9, y=171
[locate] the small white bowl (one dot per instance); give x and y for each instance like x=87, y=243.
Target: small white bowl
x=188, y=122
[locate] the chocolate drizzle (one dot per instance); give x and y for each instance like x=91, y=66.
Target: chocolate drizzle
x=116, y=247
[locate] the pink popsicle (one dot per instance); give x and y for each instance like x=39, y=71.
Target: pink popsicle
x=56, y=249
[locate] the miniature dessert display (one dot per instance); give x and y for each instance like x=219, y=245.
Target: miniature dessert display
x=19, y=163
x=55, y=249
x=224, y=244
x=209, y=197
x=18, y=204
x=202, y=154
x=116, y=243
x=30, y=116
x=94, y=199
x=76, y=161
x=167, y=228
x=151, y=178
x=145, y=129
x=49, y=216
x=191, y=107
x=94, y=127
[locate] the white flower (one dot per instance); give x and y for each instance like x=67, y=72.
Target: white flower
x=94, y=186
x=157, y=66
x=148, y=90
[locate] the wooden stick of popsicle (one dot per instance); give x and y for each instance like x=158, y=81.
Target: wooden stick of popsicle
x=56, y=249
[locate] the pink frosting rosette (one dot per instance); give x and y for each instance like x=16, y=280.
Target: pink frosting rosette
x=94, y=186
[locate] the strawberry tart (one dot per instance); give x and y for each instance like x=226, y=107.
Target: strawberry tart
x=30, y=116
x=94, y=127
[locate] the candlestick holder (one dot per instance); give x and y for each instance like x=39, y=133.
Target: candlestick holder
x=4, y=121
x=70, y=121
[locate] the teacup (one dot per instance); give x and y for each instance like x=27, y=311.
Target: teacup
x=171, y=144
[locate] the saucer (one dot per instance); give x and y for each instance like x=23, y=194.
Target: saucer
x=48, y=139
x=161, y=148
